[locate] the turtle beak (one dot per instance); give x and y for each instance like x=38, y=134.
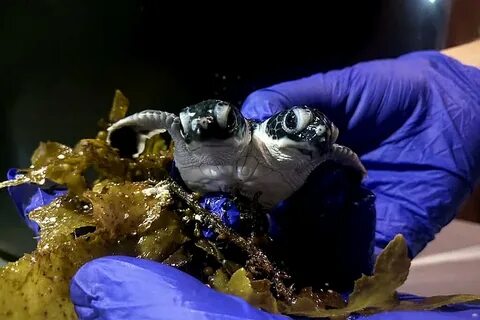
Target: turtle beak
x=211, y=121
x=201, y=126
x=202, y=129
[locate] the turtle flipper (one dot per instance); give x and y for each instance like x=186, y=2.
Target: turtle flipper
x=347, y=157
x=130, y=134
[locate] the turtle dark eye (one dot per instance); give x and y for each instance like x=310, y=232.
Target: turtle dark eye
x=290, y=122
x=296, y=120
x=222, y=112
x=231, y=120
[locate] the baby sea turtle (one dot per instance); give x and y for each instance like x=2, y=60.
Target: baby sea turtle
x=218, y=150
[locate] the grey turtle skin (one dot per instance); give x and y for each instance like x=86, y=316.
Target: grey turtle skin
x=217, y=149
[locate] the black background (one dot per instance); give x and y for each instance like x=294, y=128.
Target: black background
x=60, y=61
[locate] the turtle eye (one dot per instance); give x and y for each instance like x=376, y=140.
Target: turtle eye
x=222, y=113
x=296, y=120
x=231, y=120
x=304, y=118
x=289, y=123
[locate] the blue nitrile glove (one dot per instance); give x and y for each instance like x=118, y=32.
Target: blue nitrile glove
x=413, y=120
x=224, y=208
x=128, y=288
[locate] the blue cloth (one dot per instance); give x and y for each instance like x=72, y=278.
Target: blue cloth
x=414, y=122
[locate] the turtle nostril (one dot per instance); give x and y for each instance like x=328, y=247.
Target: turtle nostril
x=201, y=123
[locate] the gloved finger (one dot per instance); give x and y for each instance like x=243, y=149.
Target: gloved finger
x=326, y=91
x=417, y=194
x=221, y=205
x=28, y=197
x=367, y=102
x=129, y=288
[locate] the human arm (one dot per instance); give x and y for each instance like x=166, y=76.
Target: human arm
x=467, y=53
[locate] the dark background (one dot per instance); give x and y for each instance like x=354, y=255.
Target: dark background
x=60, y=61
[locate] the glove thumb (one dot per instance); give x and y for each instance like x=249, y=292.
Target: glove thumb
x=129, y=288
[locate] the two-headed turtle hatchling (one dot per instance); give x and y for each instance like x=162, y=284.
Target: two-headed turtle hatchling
x=217, y=149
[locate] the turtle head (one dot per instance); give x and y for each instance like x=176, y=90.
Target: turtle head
x=214, y=125
x=301, y=130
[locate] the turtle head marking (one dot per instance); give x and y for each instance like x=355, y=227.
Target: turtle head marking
x=211, y=120
x=213, y=123
x=305, y=130
x=214, y=130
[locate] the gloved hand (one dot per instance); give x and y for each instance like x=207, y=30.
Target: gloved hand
x=127, y=288
x=412, y=120
x=414, y=123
